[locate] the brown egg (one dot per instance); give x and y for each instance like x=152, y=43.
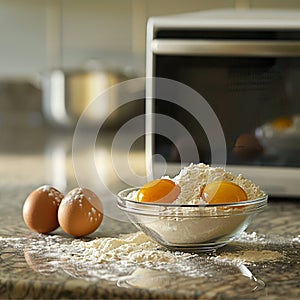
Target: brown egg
x=80, y=212
x=247, y=146
x=40, y=209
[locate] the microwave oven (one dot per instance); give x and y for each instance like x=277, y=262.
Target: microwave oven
x=246, y=65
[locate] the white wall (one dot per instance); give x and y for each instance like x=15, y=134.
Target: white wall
x=36, y=35
x=22, y=37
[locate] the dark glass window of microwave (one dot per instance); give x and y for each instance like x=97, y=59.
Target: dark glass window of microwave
x=257, y=101
x=189, y=33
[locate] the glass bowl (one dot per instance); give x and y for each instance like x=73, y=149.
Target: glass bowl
x=191, y=227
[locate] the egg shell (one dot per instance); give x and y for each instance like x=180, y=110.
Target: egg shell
x=80, y=212
x=40, y=209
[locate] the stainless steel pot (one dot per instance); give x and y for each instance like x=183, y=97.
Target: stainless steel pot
x=66, y=94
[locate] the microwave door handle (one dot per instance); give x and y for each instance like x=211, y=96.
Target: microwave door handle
x=226, y=47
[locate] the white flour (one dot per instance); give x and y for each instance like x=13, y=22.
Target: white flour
x=297, y=239
x=192, y=179
x=196, y=231
x=136, y=247
x=105, y=258
x=188, y=225
x=251, y=256
x=136, y=258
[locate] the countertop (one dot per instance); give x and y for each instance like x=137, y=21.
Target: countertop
x=229, y=273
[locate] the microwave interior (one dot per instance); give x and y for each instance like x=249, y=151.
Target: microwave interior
x=256, y=99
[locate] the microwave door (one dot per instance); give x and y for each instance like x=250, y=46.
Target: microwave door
x=248, y=84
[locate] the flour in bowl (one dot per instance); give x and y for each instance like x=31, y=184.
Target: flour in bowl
x=204, y=225
x=194, y=177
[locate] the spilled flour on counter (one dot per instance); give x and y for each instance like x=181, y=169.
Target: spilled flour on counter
x=134, y=256
x=296, y=239
x=135, y=247
x=107, y=258
x=252, y=256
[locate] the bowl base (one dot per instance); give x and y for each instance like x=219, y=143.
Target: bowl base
x=196, y=248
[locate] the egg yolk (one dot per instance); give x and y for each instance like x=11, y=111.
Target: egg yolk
x=159, y=191
x=283, y=123
x=223, y=192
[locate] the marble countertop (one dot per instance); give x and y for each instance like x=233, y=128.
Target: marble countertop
x=272, y=271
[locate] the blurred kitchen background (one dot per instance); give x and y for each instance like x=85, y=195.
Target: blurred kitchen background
x=79, y=36
x=37, y=36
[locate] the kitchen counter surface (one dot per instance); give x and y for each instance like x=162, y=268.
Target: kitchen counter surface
x=262, y=264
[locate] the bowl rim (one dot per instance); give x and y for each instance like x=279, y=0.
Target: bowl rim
x=260, y=200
